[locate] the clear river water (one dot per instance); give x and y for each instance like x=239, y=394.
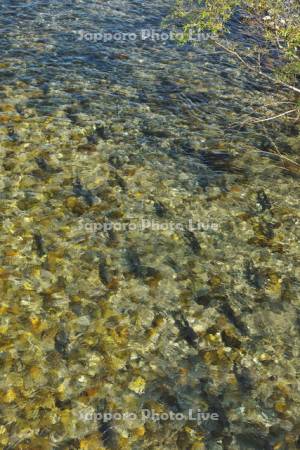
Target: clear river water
x=149, y=237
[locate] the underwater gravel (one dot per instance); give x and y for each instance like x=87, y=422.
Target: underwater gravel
x=111, y=300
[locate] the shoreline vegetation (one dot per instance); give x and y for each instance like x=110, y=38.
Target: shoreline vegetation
x=275, y=57
x=277, y=23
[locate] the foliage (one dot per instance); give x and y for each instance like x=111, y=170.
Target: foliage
x=279, y=20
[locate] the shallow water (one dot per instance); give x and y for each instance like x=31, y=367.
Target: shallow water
x=149, y=239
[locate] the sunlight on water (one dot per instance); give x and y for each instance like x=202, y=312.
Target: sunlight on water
x=149, y=238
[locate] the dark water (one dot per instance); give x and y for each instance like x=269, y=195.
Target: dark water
x=149, y=238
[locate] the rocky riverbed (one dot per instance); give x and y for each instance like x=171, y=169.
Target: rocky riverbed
x=149, y=239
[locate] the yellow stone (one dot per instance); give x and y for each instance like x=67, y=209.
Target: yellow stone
x=72, y=202
x=139, y=432
x=28, y=286
x=120, y=335
x=48, y=402
x=209, y=357
x=4, y=440
x=138, y=195
x=232, y=379
x=137, y=385
x=4, y=273
x=213, y=338
x=265, y=357
x=198, y=435
x=66, y=417
x=274, y=285
x=10, y=396
x=280, y=406
x=11, y=252
x=152, y=332
x=3, y=329
x=36, y=272
x=54, y=258
x=123, y=444
x=35, y=321
x=198, y=446
x=116, y=363
x=36, y=374
x=215, y=281
x=3, y=309
x=61, y=388
x=92, y=442
x=284, y=388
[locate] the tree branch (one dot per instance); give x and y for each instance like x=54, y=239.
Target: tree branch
x=271, y=118
x=254, y=69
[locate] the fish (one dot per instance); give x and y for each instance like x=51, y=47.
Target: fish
x=185, y=330
x=198, y=97
x=215, y=406
x=45, y=168
x=92, y=139
x=202, y=298
x=112, y=237
x=227, y=310
x=148, y=272
x=254, y=439
x=101, y=132
x=77, y=187
x=133, y=261
x=192, y=241
x=79, y=191
x=115, y=161
x=12, y=134
x=106, y=427
x=98, y=132
x=218, y=161
x=230, y=340
x=263, y=200
x=63, y=404
x=108, y=434
x=61, y=342
x=254, y=277
x=136, y=267
x=121, y=182
x=243, y=377
x=42, y=163
x=172, y=263
x=160, y=209
x=203, y=181
x=71, y=113
x=88, y=148
x=103, y=271
x=121, y=56
x=267, y=229
x=39, y=244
